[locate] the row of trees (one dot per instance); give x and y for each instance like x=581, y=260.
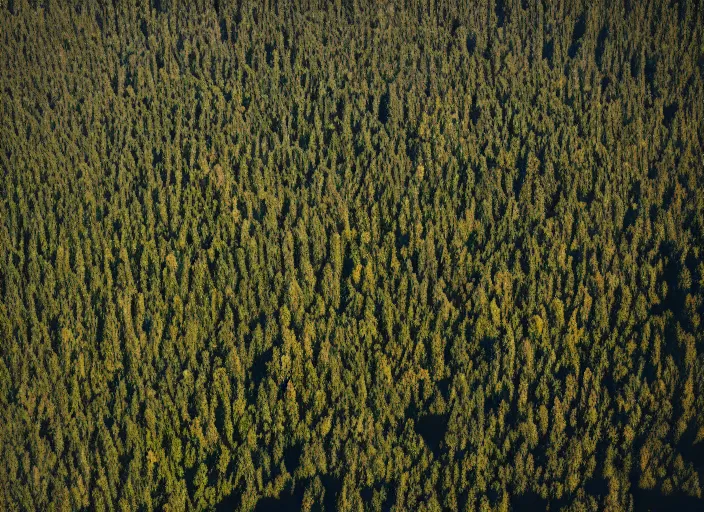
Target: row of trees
x=351, y=256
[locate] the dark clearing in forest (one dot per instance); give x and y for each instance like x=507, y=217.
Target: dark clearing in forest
x=351, y=255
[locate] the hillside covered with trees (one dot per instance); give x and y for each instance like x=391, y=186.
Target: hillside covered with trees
x=351, y=255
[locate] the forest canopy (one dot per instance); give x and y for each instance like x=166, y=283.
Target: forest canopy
x=351, y=255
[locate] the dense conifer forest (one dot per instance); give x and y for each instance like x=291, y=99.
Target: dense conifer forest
x=351, y=255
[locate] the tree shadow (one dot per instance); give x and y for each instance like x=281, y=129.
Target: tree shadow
x=529, y=501
x=500, y=10
x=432, y=428
x=580, y=27
x=601, y=45
x=655, y=501
x=669, y=112
x=290, y=499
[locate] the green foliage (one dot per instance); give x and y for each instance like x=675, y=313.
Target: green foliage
x=351, y=255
